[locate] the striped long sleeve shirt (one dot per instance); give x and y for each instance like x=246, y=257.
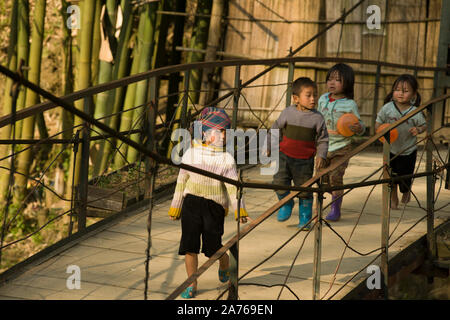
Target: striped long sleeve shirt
x=303, y=133
x=214, y=160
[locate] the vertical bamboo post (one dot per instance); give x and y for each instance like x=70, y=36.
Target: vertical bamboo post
x=74, y=192
x=375, y=101
x=234, y=250
x=431, y=243
x=150, y=131
x=14, y=95
x=290, y=79
x=185, y=100
x=23, y=48
x=385, y=215
x=236, y=96
x=5, y=132
x=317, y=247
x=84, y=169
x=151, y=168
x=83, y=72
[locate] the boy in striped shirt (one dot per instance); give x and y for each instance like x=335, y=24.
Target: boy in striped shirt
x=303, y=136
x=202, y=202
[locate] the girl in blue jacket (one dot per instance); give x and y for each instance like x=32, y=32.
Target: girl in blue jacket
x=333, y=104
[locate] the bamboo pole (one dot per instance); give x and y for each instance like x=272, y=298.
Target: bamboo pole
x=67, y=87
x=5, y=132
x=23, y=48
x=67, y=71
x=105, y=74
x=130, y=96
x=25, y=158
x=120, y=69
x=147, y=45
x=82, y=77
x=96, y=43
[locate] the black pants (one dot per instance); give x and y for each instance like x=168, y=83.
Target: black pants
x=203, y=218
x=404, y=165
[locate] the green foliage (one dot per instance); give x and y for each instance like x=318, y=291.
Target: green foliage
x=23, y=224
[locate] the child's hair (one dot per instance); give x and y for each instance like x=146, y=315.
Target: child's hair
x=411, y=80
x=347, y=77
x=300, y=83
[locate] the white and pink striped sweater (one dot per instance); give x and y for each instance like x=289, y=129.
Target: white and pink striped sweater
x=214, y=160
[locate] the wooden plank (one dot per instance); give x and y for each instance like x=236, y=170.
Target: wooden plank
x=98, y=213
x=105, y=198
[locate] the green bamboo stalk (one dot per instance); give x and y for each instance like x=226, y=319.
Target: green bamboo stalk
x=120, y=69
x=127, y=117
x=105, y=75
x=25, y=159
x=96, y=43
x=75, y=48
x=82, y=78
x=5, y=132
x=67, y=87
x=145, y=57
x=23, y=47
x=67, y=71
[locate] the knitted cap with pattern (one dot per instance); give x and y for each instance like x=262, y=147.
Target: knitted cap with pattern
x=214, y=118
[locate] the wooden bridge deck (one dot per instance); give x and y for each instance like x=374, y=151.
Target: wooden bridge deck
x=112, y=258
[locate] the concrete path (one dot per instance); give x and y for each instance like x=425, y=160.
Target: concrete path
x=112, y=260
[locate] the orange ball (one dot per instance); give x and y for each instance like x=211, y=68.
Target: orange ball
x=344, y=123
x=393, y=133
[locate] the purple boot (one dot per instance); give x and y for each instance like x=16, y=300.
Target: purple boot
x=335, y=213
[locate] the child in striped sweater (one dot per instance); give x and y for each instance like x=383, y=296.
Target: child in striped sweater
x=202, y=202
x=303, y=137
